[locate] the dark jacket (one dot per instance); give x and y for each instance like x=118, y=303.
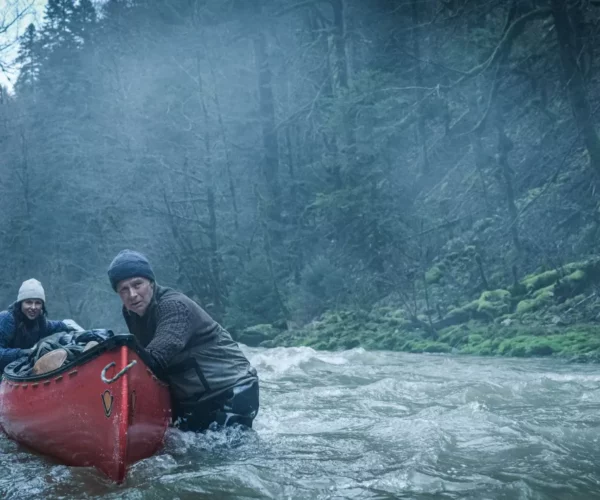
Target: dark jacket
x=17, y=332
x=189, y=349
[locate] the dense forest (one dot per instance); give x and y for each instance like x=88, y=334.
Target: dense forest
x=415, y=175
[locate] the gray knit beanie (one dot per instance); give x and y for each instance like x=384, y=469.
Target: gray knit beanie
x=129, y=264
x=31, y=289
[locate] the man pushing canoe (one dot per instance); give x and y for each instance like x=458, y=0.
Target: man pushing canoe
x=210, y=379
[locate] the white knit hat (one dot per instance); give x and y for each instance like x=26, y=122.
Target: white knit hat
x=31, y=289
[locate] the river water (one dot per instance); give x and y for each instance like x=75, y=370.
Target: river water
x=372, y=425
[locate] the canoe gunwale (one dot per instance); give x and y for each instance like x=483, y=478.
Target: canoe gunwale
x=112, y=343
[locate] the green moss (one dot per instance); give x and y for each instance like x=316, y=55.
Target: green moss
x=491, y=304
x=576, y=276
x=574, y=283
x=437, y=347
x=255, y=335
x=454, y=336
x=533, y=282
x=427, y=346
x=475, y=339
x=541, y=299
x=544, y=293
x=526, y=306
x=570, y=280
x=494, y=303
x=463, y=314
x=476, y=327
x=485, y=348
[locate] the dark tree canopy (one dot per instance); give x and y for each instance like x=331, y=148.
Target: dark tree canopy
x=276, y=160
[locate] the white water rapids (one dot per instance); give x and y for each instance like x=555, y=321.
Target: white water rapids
x=373, y=425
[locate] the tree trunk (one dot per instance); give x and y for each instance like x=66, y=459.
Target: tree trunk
x=339, y=63
x=270, y=165
x=419, y=84
x=504, y=146
x=480, y=157
x=232, y=190
x=575, y=81
x=343, y=144
x=294, y=206
x=215, y=261
x=28, y=223
x=339, y=71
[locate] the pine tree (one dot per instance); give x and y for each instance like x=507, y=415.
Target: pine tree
x=68, y=27
x=29, y=60
x=83, y=22
x=57, y=32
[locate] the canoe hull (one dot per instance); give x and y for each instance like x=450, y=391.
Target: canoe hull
x=79, y=419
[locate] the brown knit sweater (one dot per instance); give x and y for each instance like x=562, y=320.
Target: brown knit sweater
x=168, y=325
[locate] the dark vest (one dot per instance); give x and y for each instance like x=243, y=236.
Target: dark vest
x=210, y=364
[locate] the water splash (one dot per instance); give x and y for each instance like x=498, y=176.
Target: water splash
x=360, y=424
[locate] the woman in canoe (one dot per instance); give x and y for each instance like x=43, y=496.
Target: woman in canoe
x=210, y=379
x=25, y=323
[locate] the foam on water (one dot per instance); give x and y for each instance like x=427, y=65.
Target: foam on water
x=360, y=424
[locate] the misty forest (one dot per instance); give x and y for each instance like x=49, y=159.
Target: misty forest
x=410, y=175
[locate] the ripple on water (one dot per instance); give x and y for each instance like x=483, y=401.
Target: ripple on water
x=377, y=425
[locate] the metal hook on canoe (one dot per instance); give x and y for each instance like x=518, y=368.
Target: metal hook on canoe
x=118, y=375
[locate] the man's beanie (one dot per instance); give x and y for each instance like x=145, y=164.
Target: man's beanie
x=129, y=264
x=31, y=289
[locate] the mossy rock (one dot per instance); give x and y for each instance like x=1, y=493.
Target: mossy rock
x=464, y=313
x=321, y=345
x=255, y=335
x=485, y=348
x=388, y=343
x=517, y=292
x=349, y=343
x=541, y=349
x=493, y=303
x=539, y=301
x=549, y=345
x=475, y=339
x=570, y=279
x=545, y=293
x=455, y=336
x=572, y=301
x=437, y=347
x=533, y=282
x=573, y=283
x=427, y=346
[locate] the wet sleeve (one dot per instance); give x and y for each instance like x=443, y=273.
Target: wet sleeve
x=7, y=333
x=173, y=331
x=57, y=326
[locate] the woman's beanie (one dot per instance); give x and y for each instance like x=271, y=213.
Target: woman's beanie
x=129, y=264
x=31, y=289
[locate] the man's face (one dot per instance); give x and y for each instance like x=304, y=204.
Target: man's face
x=32, y=308
x=136, y=294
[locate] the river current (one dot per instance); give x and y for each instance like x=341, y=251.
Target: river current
x=373, y=425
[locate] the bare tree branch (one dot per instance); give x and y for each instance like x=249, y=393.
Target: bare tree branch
x=505, y=43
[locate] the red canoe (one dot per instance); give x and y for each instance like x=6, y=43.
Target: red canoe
x=106, y=409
